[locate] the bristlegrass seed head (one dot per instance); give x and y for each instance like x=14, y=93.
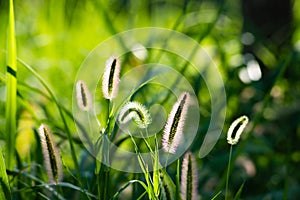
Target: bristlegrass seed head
x=111, y=78
x=189, y=178
x=137, y=112
x=175, y=123
x=235, y=130
x=51, y=155
x=83, y=95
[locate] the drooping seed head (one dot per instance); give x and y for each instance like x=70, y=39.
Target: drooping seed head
x=51, y=155
x=175, y=123
x=235, y=130
x=189, y=178
x=83, y=95
x=111, y=78
x=136, y=112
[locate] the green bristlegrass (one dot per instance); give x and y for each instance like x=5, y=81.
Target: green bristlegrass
x=11, y=89
x=51, y=155
x=236, y=128
x=24, y=177
x=282, y=67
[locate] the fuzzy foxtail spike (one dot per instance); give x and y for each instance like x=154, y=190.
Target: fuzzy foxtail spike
x=51, y=155
x=189, y=178
x=83, y=95
x=111, y=78
x=137, y=112
x=175, y=123
x=236, y=128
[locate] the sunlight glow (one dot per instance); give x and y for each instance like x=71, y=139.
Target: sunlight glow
x=243, y=75
x=247, y=38
x=253, y=70
x=140, y=52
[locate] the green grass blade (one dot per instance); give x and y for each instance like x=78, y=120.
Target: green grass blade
x=47, y=187
x=116, y=195
x=4, y=185
x=239, y=192
x=67, y=185
x=11, y=89
x=168, y=185
x=228, y=172
x=215, y=197
x=177, y=180
x=156, y=175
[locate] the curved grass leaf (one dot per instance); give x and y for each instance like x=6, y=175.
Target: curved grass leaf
x=168, y=186
x=239, y=192
x=126, y=185
x=215, y=197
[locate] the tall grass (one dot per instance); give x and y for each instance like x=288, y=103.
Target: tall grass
x=11, y=89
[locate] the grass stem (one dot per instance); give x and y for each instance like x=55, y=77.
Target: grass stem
x=228, y=172
x=177, y=180
x=11, y=89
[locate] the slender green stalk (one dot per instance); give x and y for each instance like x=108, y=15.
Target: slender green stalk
x=155, y=168
x=177, y=180
x=216, y=196
x=144, y=167
x=103, y=171
x=11, y=89
x=98, y=168
x=103, y=181
x=228, y=172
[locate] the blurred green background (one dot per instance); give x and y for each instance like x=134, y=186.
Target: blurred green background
x=255, y=45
